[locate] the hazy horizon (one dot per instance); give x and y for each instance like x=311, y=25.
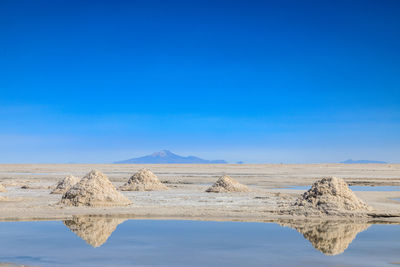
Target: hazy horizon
x=259, y=82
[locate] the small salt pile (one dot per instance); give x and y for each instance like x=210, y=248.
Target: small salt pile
x=331, y=195
x=94, y=190
x=143, y=180
x=65, y=184
x=226, y=184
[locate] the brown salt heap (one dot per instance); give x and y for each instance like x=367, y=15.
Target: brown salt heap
x=143, y=180
x=2, y=188
x=331, y=195
x=94, y=190
x=95, y=230
x=65, y=184
x=226, y=184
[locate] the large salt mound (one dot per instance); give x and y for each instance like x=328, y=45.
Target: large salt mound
x=2, y=188
x=331, y=195
x=226, y=184
x=329, y=237
x=65, y=184
x=94, y=190
x=143, y=180
x=95, y=230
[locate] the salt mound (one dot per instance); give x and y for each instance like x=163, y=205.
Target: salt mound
x=331, y=195
x=143, y=180
x=3, y=198
x=94, y=190
x=2, y=188
x=226, y=184
x=329, y=237
x=65, y=184
x=95, y=230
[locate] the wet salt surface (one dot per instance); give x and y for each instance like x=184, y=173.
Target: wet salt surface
x=193, y=243
x=353, y=187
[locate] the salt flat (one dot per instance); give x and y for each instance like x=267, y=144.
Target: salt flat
x=186, y=197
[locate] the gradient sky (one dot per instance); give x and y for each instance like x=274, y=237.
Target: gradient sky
x=257, y=81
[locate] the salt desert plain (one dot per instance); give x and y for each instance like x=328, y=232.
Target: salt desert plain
x=29, y=185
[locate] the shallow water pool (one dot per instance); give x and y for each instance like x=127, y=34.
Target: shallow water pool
x=99, y=241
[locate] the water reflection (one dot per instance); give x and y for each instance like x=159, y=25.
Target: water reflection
x=329, y=237
x=95, y=230
x=196, y=243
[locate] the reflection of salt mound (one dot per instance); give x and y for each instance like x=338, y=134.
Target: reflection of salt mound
x=143, y=180
x=3, y=198
x=329, y=237
x=331, y=195
x=94, y=190
x=65, y=184
x=2, y=188
x=95, y=230
x=226, y=184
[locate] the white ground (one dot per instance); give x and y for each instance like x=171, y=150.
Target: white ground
x=186, y=198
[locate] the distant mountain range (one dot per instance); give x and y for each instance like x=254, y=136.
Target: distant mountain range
x=363, y=161
x=167, y=157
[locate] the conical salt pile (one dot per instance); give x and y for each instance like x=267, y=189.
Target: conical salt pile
x=143, y=180
x=329, y=237
x=95, y=230
x=331, y=195
x=2, y=188
x=94, y=190
x=65, y=184
x=226, y=184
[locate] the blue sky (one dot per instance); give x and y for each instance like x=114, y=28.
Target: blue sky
x=257, y=81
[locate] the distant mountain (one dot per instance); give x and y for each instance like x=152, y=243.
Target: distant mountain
x=363, y=161
x=165, y=157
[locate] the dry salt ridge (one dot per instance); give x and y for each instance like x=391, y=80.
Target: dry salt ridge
x=188, y=197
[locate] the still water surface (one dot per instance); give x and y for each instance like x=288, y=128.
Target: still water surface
x=99, y=241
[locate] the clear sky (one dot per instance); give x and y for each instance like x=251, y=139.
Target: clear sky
x=257, y=81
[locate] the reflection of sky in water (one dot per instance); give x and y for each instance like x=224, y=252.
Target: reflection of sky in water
x=188, y=243
x=353, y=187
